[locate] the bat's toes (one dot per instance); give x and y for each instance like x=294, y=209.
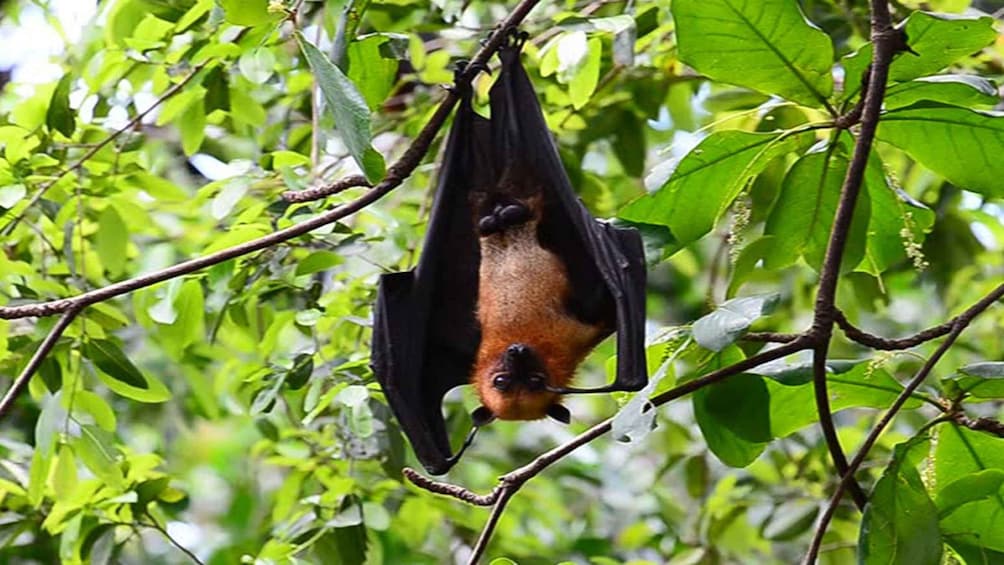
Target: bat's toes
x=514, y=214
x=489, y=225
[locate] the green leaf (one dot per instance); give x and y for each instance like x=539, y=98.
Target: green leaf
x=343, y=100
x=709, y=178
x=734, y=418
x=731, y=320
x=113, y=361
x=189, y=325
x=59, y=116
x=64, y=476
x=193, y=128
x=587, y=75
x=767, y=46
x=793, y=407
x=111, y=241
x=802, y=217
x=299, y=375
x=958, y=90
x=959, y=144
x=938, y=39
x=960, y=452
x=317, y=261
x=96, y=407
x=96, y=449
x=369, y=70
x=900, y=523
x=969, y=488
x=982, y=380
x=11, y=194
x=248, y=12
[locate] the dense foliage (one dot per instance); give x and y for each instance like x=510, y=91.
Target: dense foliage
x=231, y=415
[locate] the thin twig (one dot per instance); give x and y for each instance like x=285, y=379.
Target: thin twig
x=43, y=350
x=770, y=337
x=988, y=425
x=493, y=519
x=884, y=39
x=449, y=489
x=163, y=531
x=876, y=342
x=320, y=192
x=6, y=230
x=960, y=324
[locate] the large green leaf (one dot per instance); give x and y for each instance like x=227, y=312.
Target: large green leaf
x=802, y=216
x=734, y=418
x=767, y=46
x=900, y=523
x=793, y=407
x=709, y=178
x=962, y=145
x=958, y=90
x=352, y=115
x=982, y=380
x=370, y=70
x=113, y=361
x=938, y=39
x=59, y=116
x=248, y=12
x=961, y=453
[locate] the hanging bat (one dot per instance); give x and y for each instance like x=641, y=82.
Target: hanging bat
x=516, y=283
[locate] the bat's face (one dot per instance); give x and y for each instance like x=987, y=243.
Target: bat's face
x=515, y=386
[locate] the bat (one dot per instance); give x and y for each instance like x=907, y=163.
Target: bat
x=515, y=285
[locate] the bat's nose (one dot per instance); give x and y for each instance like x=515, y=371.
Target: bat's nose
x=517, y=350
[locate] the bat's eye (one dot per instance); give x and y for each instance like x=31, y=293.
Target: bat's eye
x=536, y=381
x=501, y=382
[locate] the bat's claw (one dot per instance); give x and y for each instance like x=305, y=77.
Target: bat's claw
x=514, y=38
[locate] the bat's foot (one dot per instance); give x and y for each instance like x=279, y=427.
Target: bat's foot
x=502, y=216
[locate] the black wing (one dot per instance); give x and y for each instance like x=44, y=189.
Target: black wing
x=606, y=264
x=426, y=334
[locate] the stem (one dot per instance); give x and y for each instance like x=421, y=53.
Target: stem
x=36, y=360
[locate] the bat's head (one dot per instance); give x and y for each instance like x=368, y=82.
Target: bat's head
x=514, y=386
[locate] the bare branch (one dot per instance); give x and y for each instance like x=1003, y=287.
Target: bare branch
x=961, y=323
x=988, y=425
x=9, y=227
x=887, y=41
x=448, y=489
x=876, y=342
x=770, y=337
x=320, y=192
x=36, y=360
x=493, y=519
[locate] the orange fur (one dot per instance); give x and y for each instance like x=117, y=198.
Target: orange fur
x=521, y=298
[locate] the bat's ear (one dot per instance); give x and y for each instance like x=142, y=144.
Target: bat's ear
x=482, y=416
x=559, y=413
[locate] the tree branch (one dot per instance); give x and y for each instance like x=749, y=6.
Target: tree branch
x=876, y=342
x=886, y=44
x=320, y=192
x=43, y=350
x=960, y=324
x=770, y=337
